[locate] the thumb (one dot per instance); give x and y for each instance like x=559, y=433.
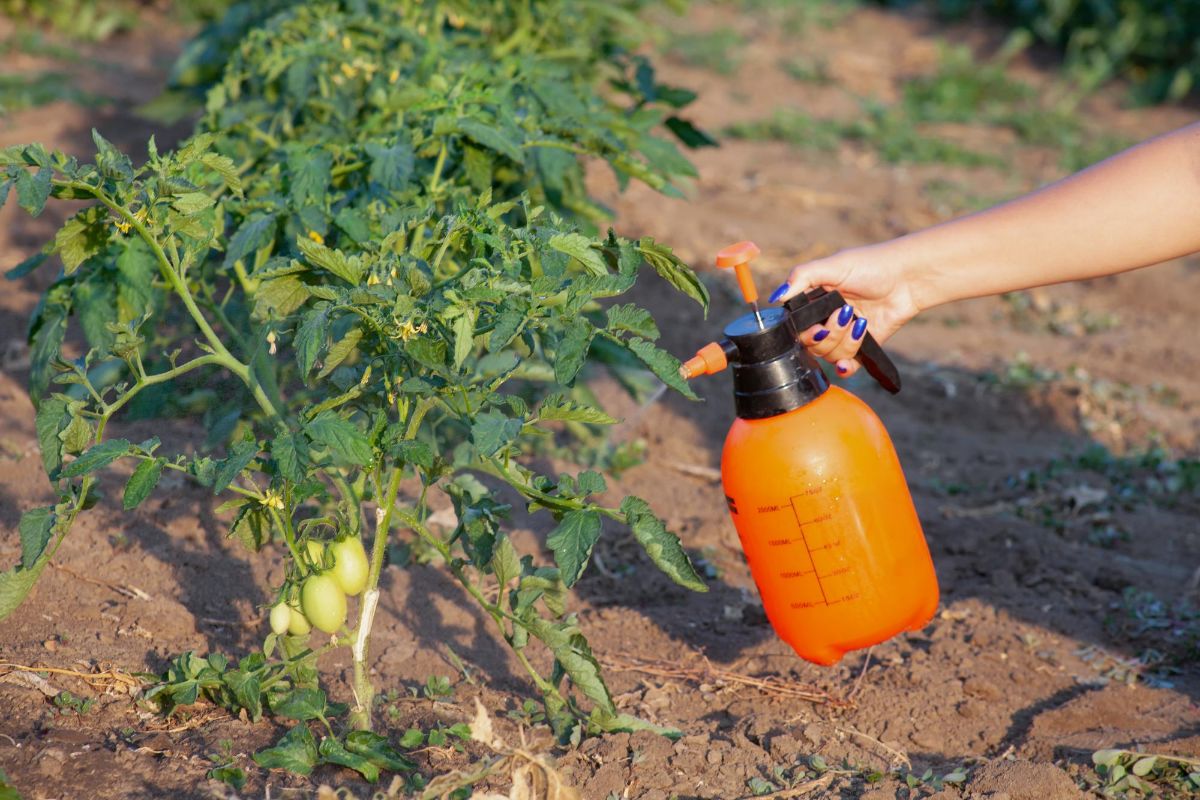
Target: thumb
x=824, y=272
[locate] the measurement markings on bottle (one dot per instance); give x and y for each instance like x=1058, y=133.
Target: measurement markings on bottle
x=816, y=546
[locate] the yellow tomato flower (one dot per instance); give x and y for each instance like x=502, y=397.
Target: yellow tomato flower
x=272, y=499
x=316, y=237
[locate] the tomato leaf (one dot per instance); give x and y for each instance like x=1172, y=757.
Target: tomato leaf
x=557, y=406
x=663, y=547
x=346, y=443
x=240, y=455
x=296, y=752
x=580, y=248
x=348, y=268
x=674, y=271
x=572, y=350
x=33, y=189
x=36, y=526
x=287, y=453
x=334, y=752
x=493, y=430
x=572, y=542
x=631, y=318
x=378, y=750
x=52, y=417
x=340, y=351
x=256, y=232
x=299, y=704
x=573, y=655
x=310, y=338
x=96, y=457
x=27, y=266
x=142, y=482
x=664, y=365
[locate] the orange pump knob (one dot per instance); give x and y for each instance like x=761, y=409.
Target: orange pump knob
x=738, y=257
x=708, y=360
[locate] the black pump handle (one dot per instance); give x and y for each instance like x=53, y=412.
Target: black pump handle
x=817, y=305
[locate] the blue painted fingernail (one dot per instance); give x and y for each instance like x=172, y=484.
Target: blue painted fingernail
x=842, y=370
x=860, y=327
x=845, y=314
x=821, y=334
x=778, y=293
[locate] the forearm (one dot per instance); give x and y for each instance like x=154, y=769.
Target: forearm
x=1139, y=207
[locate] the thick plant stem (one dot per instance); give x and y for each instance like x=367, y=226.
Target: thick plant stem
x=364, y=692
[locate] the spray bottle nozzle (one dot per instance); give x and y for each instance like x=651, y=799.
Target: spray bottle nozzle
x=738, y=257
x=710, y=359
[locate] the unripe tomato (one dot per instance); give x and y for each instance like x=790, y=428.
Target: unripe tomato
x=316, y=553
x=324, y=602
x=350, y=565
x=297, y=622
x=281, y=618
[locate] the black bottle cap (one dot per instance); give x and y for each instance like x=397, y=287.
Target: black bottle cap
x=772, y=375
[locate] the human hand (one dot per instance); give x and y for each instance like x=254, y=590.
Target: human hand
x=874, y=289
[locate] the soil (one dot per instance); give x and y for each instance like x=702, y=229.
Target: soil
x=1061, y=629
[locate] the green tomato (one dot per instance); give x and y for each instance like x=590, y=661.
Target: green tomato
x=281, y=618
x=297, y=622
x=350, y=565
x=316, y=553
x=324, y=602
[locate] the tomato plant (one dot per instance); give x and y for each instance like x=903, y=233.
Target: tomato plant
x=378, y=253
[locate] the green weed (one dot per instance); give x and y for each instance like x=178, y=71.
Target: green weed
x=719, y=50
x=964, y=90
x=19, y=92
x=806, y=68
x=791, y=126
x=1118, y=772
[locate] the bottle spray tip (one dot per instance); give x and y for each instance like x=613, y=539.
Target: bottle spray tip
x=708, y=359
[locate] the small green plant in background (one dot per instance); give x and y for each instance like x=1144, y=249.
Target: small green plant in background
x=719, y=50
x=21, y=91
x=68, y=703
x=1120, y=771
x=791, y=126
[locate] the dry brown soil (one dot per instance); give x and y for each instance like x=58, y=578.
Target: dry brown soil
x=1035, y=659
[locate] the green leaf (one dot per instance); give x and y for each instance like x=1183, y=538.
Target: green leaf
x=632, y=318
x=349, y=269
x=572, y=542
x=241, y=454
x=572, y=350
x=673, y=270
x=192, y=203
x=16, y=584
x=81, y=237
x=1143, y=765
x=378, y=751
x=505, y=562
x=334, y=752
x=493, y=430
x=224, y=167
x=286, y=451
x=661, y=545
x=76, y=436
x=310, y=338
x=247, y=691
x=233, y=776
x=7, y=790
x=25, y=267
x=97, y=457
x=256, y=232
x=296, y=752
x=391, y=167
x=279, y=297
x=46, y=332
x=33, y=189
x=142, y=482
x=464, y=336
x=571, y=651
x=310, y=173
x=580, y=248
x=600, y=722
x=1107, y=758
x=484, y=134
x=36, y=527
x=340, y=351
x=137, y=268
x=346, y=442
x=558, y=406
x=52, y=417
x=299, y=704
x=689, y=134
x=662, y=364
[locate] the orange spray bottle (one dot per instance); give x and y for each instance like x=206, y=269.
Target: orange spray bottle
x=814, y=485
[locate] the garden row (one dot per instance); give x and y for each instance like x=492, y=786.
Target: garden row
x=377, y=257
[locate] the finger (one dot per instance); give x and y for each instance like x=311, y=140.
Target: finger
x=846, y=367
x=821, y=340
x=807, y=276
x=848, y=345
